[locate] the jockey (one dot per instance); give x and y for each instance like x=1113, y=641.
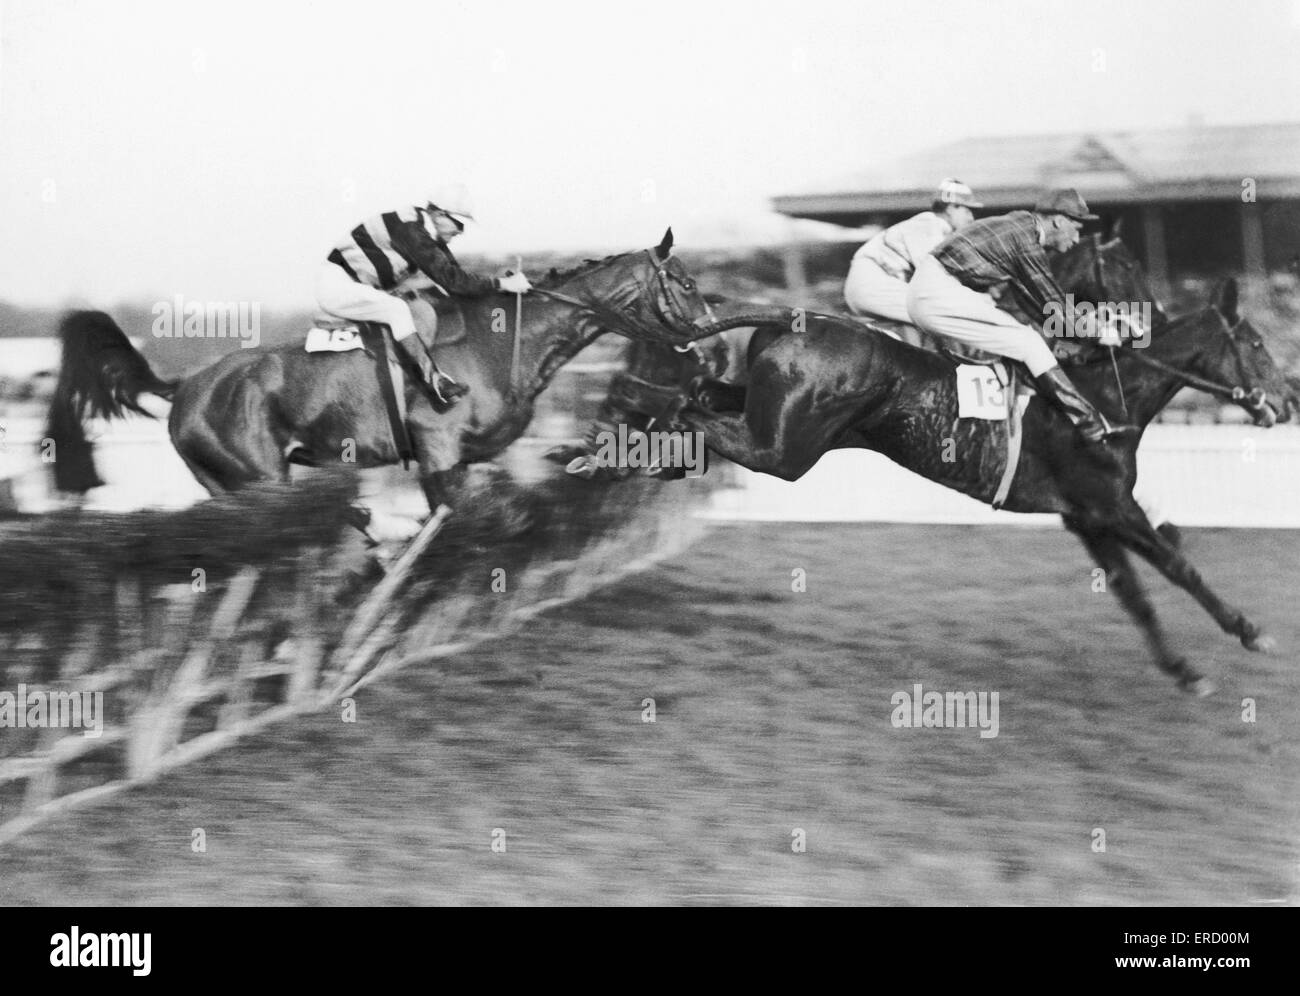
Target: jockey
x=949, y=295
x=357, y=279
x=878, y=275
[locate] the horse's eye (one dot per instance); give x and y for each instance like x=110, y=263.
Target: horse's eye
x=689, y=284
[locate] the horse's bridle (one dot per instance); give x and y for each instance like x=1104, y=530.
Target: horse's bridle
x=664, y=306
x=1253, y=399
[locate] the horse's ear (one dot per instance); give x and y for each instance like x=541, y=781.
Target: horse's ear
x=1228, y=301
x=665, y=248
x=1116, y=229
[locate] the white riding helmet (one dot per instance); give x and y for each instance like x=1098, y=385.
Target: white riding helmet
x=453, y=199
x=955, y=192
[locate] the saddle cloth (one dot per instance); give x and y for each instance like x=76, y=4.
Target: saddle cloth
x=341, y=339
x=986, y=391
x=438, y=325
x=996, y=392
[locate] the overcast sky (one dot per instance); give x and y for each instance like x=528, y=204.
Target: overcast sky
x=218, y=150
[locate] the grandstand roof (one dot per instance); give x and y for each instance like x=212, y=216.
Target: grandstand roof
x=1121, y=167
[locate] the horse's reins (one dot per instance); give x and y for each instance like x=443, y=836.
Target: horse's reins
x=1101, y=286
x=616, y=319
x=1255, y=398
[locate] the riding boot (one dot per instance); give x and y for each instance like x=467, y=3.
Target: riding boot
x=1092, y=424
x=444, y=388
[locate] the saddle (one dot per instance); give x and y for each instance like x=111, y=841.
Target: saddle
x=440, y=324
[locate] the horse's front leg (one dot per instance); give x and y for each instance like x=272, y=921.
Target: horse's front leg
x=436, y=440
x=1136, y=532
x=730, y=435
x=781, y=432
x=717, y=395
x=1109, y=554
x=443, y=487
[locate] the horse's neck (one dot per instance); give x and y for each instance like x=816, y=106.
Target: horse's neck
x=563, y=332
x=1178, y=345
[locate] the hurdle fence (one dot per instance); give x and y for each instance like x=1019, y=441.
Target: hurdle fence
x=183, y=673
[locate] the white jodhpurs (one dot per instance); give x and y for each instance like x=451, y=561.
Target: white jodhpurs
x=869, y=290
x=340, y=295
x=940, y=303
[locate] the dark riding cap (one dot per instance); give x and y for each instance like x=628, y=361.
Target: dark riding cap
x=1066, y=202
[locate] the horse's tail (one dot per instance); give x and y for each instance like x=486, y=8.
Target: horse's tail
x=102, y=375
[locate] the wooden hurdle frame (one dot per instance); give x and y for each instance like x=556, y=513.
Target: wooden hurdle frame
x=164, y=699
x=162, y=703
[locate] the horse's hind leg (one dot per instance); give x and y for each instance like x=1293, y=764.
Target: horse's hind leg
x=210, y=482
x=1123, y=580
x=1137, y=534
x=245, y=452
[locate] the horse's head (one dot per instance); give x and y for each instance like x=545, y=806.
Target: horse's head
x=1105, y=270
x=646, y=295
x=1238, y=358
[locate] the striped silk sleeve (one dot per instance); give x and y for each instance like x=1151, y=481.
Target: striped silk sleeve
x=413, y=241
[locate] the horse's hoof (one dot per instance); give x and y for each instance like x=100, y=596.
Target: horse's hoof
x=564, y=453
x=659, y=473
x=697, y=389
x=1260, y=643
x=1172, y=534
x=1198, y=686
x=583, y=466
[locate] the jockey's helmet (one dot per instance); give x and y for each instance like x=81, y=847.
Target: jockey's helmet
x=453, y=199
x=955, y=192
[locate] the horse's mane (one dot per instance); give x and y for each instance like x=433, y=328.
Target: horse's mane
x=417, y=284
x=555, y=276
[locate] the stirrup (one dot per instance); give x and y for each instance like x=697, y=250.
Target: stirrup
x=447, y=389
x=1103, y=430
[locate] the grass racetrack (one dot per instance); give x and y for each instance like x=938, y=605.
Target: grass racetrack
x=772, y=714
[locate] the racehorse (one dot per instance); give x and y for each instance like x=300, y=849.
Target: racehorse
x=835, y=384
x=251, y=414
x=651, y=387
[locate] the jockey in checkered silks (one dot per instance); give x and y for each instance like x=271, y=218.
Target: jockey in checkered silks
x=950, y=295
x=358, y=277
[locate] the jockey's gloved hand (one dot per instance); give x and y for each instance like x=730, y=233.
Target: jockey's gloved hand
x=1093, y=326
x=1102, y=327
x=515, y=283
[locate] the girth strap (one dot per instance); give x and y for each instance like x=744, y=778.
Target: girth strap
x=380, y=337
x=1014, y=437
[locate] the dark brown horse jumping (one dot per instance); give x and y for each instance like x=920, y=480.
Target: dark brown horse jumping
x=250, y=415
x=836, y=384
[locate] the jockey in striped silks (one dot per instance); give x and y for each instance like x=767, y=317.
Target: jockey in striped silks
x=358, y=277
